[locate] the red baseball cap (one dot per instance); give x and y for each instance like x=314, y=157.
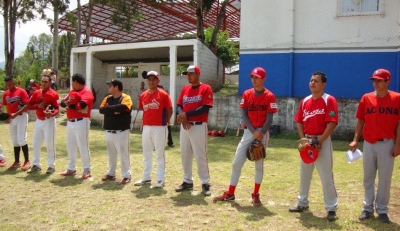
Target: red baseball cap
x=309, y=154
x=382, y=74
x=192, y=69
x=258, y=72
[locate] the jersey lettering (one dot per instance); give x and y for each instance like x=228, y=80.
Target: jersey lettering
x=310, y=114
x=253, y=107
x=14, y=99
x=192, y=99
x=153, y=105
x=382, y=110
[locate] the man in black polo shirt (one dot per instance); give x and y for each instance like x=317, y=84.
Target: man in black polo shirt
x=116, y=108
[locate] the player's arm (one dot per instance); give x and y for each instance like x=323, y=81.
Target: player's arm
x=198, y=111
x=103, y=107
x=300, y=129
x=169, y=113
x=246, y=120
x=396, y=149
x=330, y=127
x=357, y=134
x=268, y=122
x=181, y=117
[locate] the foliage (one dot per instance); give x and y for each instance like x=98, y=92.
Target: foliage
x=40, y=46
x=227, y=50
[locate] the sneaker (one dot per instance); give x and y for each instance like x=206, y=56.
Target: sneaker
x=383, y=217
x=26, y=166
x=365, y=215
x=142, y=182
x=50, y=170
x=68, y=173
x=34, y=169
x=14, y=166
x=206, y=190
x=86, y=173
x=171, y=145
x=184, y=186
x=331, y=216
x=224, y=197
x=298, y=209
x=159, y=184
x=126, y=180
x=255, y=199
x=3, y=163
x=108, y=177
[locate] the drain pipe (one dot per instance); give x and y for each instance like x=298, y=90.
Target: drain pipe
x=291, y=53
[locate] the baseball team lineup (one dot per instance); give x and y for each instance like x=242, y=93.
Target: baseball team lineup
x=378, y=123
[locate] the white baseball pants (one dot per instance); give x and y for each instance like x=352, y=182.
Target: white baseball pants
x=324, y=165
x=194, y=144
x=2, y=157
x=78, y=137
x=154, y=138
x=241, y=157
x=18, y=127
x=118, y=143
x=44, y=130
x=377, y=158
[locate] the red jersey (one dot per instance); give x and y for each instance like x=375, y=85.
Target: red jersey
x=258, y=106
x=15, y=99
x=84, y=95
x=380, y=116
x=35, y=86
x=49, y=97
x=315, y=114
x=192, y=98
x=154, y=106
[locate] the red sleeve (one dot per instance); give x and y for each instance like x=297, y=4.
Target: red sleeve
x=299, y=115
x=32, y=105
x=207, y=96
x=4, y=99
x=243, y=101
x=360, y=114
x=332, y=114
x=272, y=106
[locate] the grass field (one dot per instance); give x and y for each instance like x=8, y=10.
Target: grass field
x=42, y=202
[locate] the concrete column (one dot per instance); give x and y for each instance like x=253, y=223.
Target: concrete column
x=89, y=68
x=172, y=76
x=73, y=67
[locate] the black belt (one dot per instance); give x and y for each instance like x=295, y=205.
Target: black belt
x=254, y=128
x=385, y=139
x=115, y=131
x=195, y=123
x=75, y=120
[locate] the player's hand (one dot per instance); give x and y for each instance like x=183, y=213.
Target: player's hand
x=181, y=117
x=48, y=114
x=258, y=135
x=42, y=105
x=353, y=146
x=395, y=151
x=68, y=103
x=186, y=125
x=13, y=115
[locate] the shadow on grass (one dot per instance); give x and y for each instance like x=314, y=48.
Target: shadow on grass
x=375, y=224
x=254, y=213
x=67, y=181
x=186, y=198
x=9, y=172
x=109, y=185
x=145, y=191
x=309, y=221
x=36, y=177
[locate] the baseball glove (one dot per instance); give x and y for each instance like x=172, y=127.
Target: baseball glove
x=4, y=116
x=256, y=151
x=302, y=143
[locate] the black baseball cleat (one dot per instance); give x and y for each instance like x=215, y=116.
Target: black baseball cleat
x=331, y=216
x=206, y=190
x=365, y=215
x=383, y=217
x=298, y=209
x=184, y=186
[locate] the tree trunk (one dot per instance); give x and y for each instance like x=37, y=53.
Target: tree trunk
x=79, y=30
x=6, y=9
x=221, y=16
x=54, y=63
x=88, y=20
x=200, y=26
x=10, y=19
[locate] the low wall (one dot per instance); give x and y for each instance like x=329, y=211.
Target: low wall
x=226, y=108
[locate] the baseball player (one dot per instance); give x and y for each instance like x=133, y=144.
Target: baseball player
x=193, y=105
x=379, y=123
x=44, y=101
x=316, y=119
x=117, y=108
x=15, y=99
x=258, y=106
x=32, y=87
x=157, y=111
x=170, y=141
x=79, y=103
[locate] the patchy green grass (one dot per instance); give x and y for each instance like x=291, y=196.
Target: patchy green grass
x=227, y=90
x=42, y=202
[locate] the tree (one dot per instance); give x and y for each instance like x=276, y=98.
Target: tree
x=14, y=11
x=227, y=50
x=40, y=46
x=59, y=7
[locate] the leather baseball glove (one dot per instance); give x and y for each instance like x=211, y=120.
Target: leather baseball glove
x=256, y=151
x=302, y=143
x=4, y=116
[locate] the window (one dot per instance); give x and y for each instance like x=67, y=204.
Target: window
x=180, y=68
x=126, y=72
x=359, y=7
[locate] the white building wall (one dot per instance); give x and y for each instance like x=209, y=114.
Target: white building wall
x=273, y=27
x=210, y=65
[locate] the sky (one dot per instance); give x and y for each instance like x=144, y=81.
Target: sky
x=25, y=31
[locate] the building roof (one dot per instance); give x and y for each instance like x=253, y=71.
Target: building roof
x=163, y=21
